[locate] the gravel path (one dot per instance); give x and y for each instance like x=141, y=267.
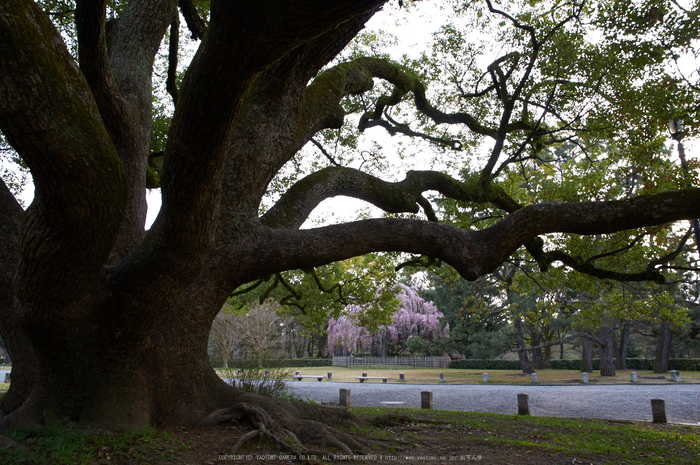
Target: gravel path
x=613, y=402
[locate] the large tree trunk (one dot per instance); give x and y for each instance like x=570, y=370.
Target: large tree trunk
x=663, y=348
x=19, y=347
x=547, y=358
x=525, y=364
x=104, y=340
x=322, y=346
x=561, y=346
x=537, y=357
x=621, y=360
x=607, y=361
x=587, y=351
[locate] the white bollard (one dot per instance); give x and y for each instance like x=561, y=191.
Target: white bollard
x=634, y=376
x=534, y=377
x=486, y=377
x=584, y=377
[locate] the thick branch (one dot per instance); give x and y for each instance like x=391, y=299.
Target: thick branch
x=401, y=197
x=48, y=114
x=173, y=46
x=10, y=218
x=20, y=349
x=194, y=22
x=471, y=253
x=133, y=47
x=95, y=66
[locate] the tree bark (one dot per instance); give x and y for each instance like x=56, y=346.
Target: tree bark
x=587, y=355
x=537, y=358
x=525, y=364
x=607, y=361
x=621, y=360
x=663, y=348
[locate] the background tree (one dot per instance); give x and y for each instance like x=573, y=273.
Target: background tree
x=226, y=336
x=473, y=311
x=261, y=330
x=312, y=297
x=416, y=326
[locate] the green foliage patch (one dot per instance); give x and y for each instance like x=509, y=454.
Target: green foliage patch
x=60, y=444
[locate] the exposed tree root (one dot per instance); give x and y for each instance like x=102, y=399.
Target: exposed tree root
x=291, y=429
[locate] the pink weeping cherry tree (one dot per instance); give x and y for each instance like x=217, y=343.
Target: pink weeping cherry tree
x=416, y=318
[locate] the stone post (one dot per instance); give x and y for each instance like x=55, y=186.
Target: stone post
x=584, y=377
x=676, y=376
x=523, y=404
x=426, y=400
x=658, y=410
x=442, y=377
x=364, y=374
x=401, y=378
x=534, y=377
x=344, y=398
x=329, y=375
x=634, y=376
x=485, y=377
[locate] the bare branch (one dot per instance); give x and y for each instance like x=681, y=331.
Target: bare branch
x=195, y=24
x=173, y=46
x=324, y=151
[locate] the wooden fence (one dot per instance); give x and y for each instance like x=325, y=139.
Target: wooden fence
x=398, y=361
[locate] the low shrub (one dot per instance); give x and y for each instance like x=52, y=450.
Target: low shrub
x=270, y=382
x=646, y=364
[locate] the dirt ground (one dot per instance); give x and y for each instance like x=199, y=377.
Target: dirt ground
x=423, y=440
x=438, y=445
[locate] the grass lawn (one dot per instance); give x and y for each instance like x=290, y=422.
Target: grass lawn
x=452, y=376
x=389, y=436
x=512, y=439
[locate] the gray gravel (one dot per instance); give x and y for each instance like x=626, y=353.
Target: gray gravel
x=613, y=402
